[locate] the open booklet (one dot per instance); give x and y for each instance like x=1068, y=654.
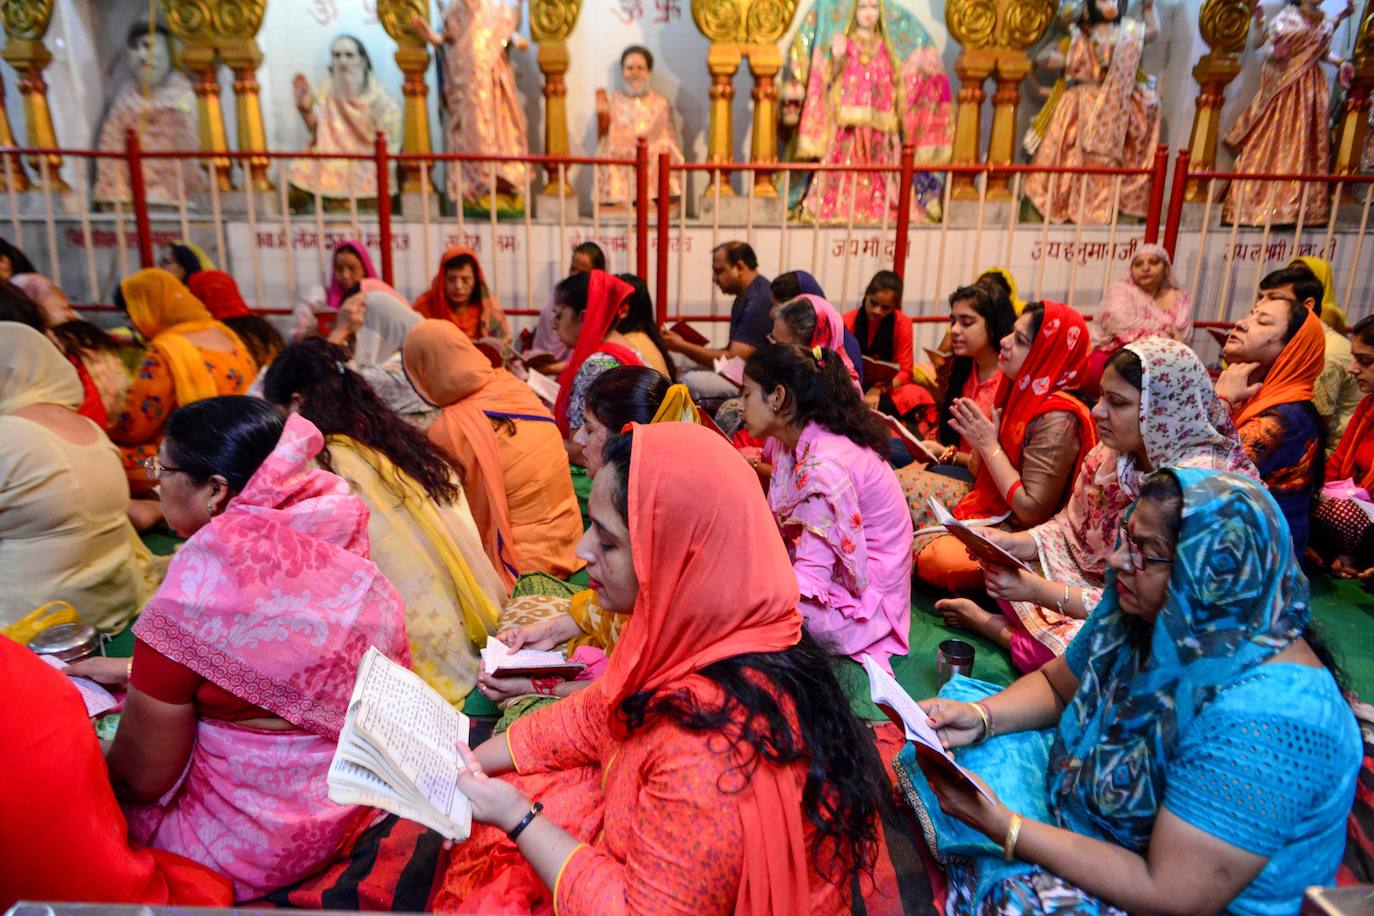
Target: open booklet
x=732, y=370
x=545, y=387
x=398, y=749
x=499, y=661
x=898, y=706
x=911, y=439
x=97, y=699
x=969, y=535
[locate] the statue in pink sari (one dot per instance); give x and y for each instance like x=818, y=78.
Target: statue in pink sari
x=1284, y=129
x=873, y=80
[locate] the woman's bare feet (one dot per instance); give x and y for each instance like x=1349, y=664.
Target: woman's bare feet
x=963, y=614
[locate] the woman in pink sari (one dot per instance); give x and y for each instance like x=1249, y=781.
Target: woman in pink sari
x=1149, y=302
x=245, y=658
x=813, y=322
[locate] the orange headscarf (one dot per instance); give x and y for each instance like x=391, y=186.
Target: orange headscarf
x=685, y=618
x=448, y=370
x=164, y=311
x=605, y=295
x=433, y=302
x=1293, y=374
x=1056, y=361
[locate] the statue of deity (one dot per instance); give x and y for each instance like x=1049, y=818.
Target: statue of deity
x=483, y=108
x=343, y=115
x=158, y=102
x=622, y=118
x=873, y=79
x=1104, y=113
x=1284, y=129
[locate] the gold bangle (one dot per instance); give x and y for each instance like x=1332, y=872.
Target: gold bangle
x=1013, y=832
x=988, y=459
x=129, y=669
x=987, y=720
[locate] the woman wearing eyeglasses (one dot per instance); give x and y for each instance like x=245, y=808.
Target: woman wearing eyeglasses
x=1202, y=758
x=1157, y=410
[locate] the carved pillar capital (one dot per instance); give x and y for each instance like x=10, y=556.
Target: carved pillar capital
x=551, y=22
x=765, y=61
x=1224, y=26
x=412, y=56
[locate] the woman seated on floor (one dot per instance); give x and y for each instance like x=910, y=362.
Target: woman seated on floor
x=515, y=468
x=1203, y=756
x=618, y=397
x=1026, y=453
x=65, y=838
x=246, y=656
x=372, y=325
x=64, y=532
x=1157, y=411
x=190, y=356
x=1342, y=532
x=1274, y=356
x=458, y=293
x=834, y=498
x=422, y=533
x=810, y=321
x=794, y=284
x=714, y=767
x=884, y=334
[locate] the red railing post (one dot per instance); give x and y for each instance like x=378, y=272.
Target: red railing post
x=642, y=208
x=1176, y=193
x=904, y=179
x=133, y=154
x=1159, y=173
x=383, y=160
x=665, y=220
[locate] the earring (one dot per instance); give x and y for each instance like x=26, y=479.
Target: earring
x=210, y=509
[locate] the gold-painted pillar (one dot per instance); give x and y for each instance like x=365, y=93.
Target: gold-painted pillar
x=551, y=22
x=722, y=61
x=764, y=63
x=1225, y=26
x=201, y=62
x=16, y=166
x=1012, y=68
x=244, y=58
x=25, y=26
x=973, y=69
x=1353, y=131
x=412, y=56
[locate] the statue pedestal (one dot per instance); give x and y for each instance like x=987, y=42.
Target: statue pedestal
x=265, y=203
x=413, y=205
x=734, y=211
x=30, y=203
x=996, y=213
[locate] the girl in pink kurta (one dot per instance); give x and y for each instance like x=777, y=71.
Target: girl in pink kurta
x=837, y=501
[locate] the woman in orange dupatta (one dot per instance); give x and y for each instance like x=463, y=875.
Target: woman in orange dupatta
x=1342, y=530
x=190, y=357
x=710, y=770
x=515, y=468
x=1029, y=452
x=459, y=293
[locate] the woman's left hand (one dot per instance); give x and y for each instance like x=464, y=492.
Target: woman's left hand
x=498, y=689
x=494, y=801
x=963, y=802
x=968, y=420
x=1010, y=583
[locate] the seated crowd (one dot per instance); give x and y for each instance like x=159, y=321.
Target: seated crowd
x=720, y=555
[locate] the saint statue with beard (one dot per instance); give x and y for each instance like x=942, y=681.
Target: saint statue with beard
x=624, y=117
x=158, y=102
x=343, y=116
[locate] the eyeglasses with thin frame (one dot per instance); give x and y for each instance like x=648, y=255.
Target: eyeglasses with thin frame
x=1137, y=558
x=155, y=468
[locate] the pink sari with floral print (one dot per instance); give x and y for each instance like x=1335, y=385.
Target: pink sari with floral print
x=848, y=531
x=275, y=601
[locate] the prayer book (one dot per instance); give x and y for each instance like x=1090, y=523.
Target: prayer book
x=545, y=387
x=969, y=535
x=877, y=371
x=935, y=356
x=398, y=749
x=97, y=699
x=908, y=437
x=690, y=334
x=732, y=370
x=500, y=661
x=907, y=715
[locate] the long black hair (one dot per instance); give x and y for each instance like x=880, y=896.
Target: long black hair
x=884, y=281
x=640, y=317
x=991, y=304
x=845, y=783
x=19, y=262
x=626, y=394
x=230, y=436
x=820, y=391
x=340, y=402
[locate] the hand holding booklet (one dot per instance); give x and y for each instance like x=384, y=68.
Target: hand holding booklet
x=968, y=534
x=906, y=713
x=500, y=661
x=398, y=749
x=897, y=429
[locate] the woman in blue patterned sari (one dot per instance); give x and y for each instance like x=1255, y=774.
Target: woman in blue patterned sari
x=1203, y=756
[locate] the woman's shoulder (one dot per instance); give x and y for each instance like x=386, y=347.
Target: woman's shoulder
x=1281, y=702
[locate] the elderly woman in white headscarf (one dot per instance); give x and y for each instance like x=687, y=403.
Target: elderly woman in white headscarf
x=64, y=534
x=1148, y=302
x=378, y=322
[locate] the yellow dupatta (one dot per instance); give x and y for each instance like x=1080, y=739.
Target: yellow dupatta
x=1332, y=314
x=164, y=311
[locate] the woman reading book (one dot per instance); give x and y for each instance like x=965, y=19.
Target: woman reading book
x=711, y=768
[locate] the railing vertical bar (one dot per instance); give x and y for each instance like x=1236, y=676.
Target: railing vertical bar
x=121, y=243
x=938, y=277
x=1228, y=279
x=460, y=202
x=749, y=209
x=356, y=227
x=1077, y=243
x=978, y=229
x=888, y=189
x=217, y=213
x=1011, y=220
x=1111, y=236
x=715, y=232
x=1331, y=221
x=665, y=222
x=49, y=223
x=326, y=261
x=88, y=244
x=181, y=200
x=15, y=228
x=1044, y=236
x=782, y=224
x=847, y=255
x=596, y=214
x=562, y=209
x=816, y=239
x=529, y=238
x=1202, y=240
x=682, y=237
x=1359, y=247
x=250, y=195
x=425, y=248
x=491, y=221
x=1302, y=219
x=1264, y=239
x=284, y=201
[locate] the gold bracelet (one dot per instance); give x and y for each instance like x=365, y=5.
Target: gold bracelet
x=129, y=669
x=987, y=720
x=1013, y=832
x=988, y=459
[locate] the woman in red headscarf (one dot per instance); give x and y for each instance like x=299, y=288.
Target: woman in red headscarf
x=459, y=293
x=1027, y=453
x=710, y=769
x=587, y=309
